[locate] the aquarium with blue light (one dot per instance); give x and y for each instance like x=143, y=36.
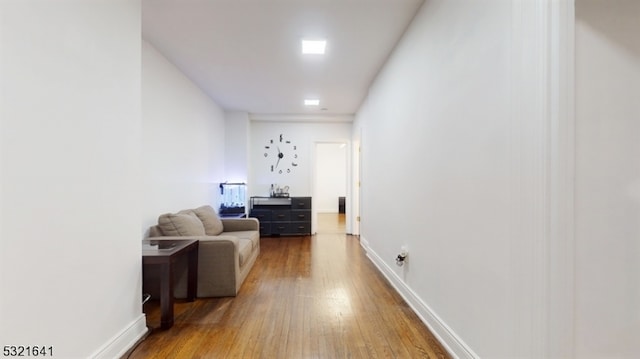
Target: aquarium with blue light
x=233, y=199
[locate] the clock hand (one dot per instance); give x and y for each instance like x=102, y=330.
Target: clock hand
x=280, y=155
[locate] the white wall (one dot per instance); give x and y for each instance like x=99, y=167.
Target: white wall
x=445, y=122
x=331, y=176
x=303, y=135
x=237, y=133
x=70, y=266
x=183, y=140
x=430, y=127
x=607, y=178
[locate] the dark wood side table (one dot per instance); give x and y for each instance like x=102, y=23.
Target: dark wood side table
x=164, y=253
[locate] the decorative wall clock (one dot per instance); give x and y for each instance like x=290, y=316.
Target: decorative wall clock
x=282, y=155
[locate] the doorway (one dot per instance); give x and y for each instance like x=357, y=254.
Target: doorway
x=330, y=187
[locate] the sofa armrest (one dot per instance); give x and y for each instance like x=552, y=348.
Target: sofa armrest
x=240, y=224
x=218, y=266
x=221, y=242
x=177, y=238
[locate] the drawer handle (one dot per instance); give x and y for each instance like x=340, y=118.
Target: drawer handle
x=300, y=227
x=280, y=227
x=301, y=216
x=281, y=216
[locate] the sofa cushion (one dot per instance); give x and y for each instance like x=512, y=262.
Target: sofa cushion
x=212, y=223
x=181, y=224
x=253, y=236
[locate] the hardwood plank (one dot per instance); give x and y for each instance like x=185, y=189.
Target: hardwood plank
x=306, y=297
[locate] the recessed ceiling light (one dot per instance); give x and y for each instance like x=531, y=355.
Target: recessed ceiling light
x=311, y=102
x=314, y=46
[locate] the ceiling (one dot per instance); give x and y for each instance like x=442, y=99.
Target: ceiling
x=246, y=54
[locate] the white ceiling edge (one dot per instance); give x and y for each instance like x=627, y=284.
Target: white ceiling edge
x=301, y=118
x=242, y=53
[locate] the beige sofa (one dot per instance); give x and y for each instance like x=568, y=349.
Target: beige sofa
x=228, y=248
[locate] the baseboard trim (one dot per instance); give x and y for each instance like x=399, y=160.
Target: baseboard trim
x=122, y=342
x=447, y=337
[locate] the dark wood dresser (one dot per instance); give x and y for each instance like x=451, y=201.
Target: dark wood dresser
x=282, y=216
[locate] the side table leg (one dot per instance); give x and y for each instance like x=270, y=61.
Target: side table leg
x=166, y=296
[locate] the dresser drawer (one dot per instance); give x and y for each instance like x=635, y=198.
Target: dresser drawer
x=300, y=228
x=282, y=215
x=301, y=216
x=280, y=228
x=301, y=203
x=261, y=214
x=265, y=228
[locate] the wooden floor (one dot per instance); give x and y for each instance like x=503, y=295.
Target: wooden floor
x=331, y=223
x=306, y=297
